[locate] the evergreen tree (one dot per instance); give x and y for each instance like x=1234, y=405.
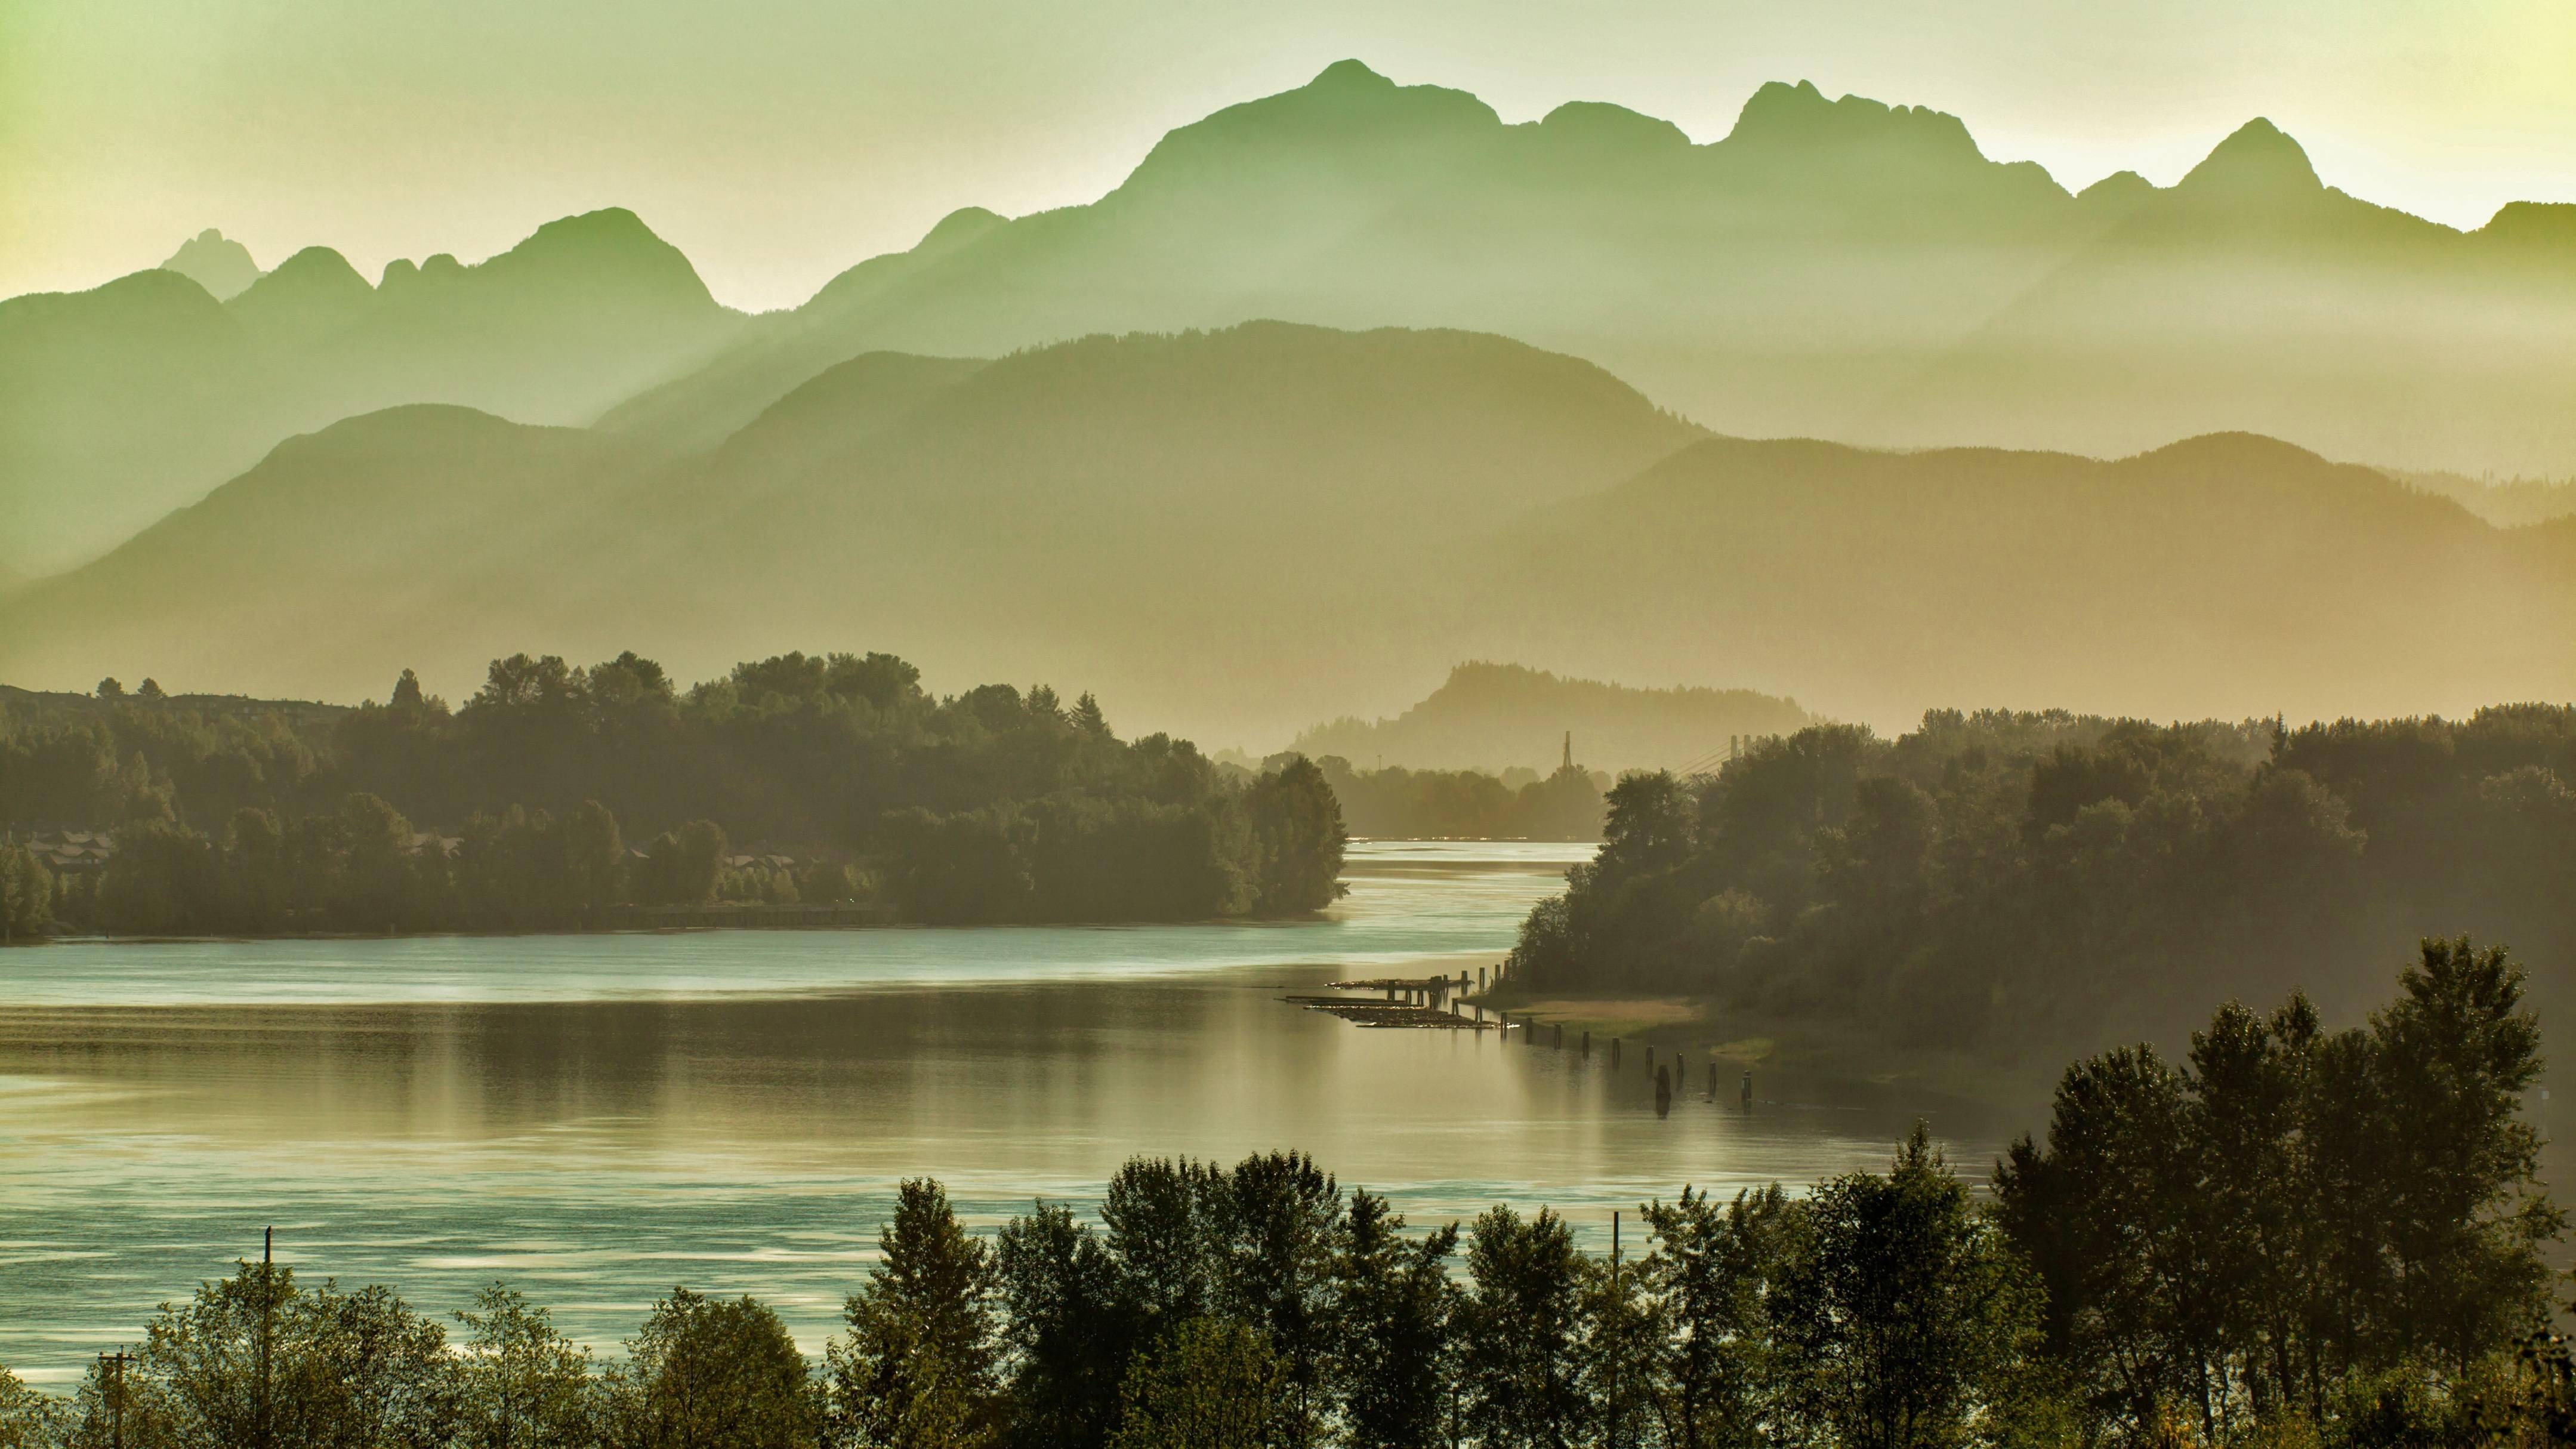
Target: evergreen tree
x=918, y=1368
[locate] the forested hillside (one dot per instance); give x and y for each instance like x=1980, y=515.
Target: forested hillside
x=2012, y=883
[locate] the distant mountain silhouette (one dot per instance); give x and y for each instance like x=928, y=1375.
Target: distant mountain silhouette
x=2226, y=576
x=1235, y=533
x=1497, y=717
x=119, y=403
x=1830, y=268
x=215, y=262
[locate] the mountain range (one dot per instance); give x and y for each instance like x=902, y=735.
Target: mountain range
x=1831, y=268
x=1230, y=533
x=121, y=403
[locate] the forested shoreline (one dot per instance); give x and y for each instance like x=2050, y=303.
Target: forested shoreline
x=2022, y=885
x=1395, y=803
x=2294, y=1239
x=556, y=793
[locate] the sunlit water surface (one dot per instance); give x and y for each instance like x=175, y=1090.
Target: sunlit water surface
x=598, y=1118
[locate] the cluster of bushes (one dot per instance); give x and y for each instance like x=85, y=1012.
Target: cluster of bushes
x=991, y=805
x=1394, y=803
x=2019, y=883
x=2299, y=1239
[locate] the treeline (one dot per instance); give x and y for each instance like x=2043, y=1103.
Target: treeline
x=2297, y=1239
x=2020, y=883
x=1394, y=803
x=992, y=805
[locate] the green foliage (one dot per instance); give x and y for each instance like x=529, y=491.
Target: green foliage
x=1521, y=1331
x=1712, y=1270
x=2295, y=1215
x=1068, y=1330
x=918, y=1370
x=1396, y=803
x=28, y=1419
x=1905, y=1319
x=1391, y=1325
x=1211, y=1384
x=2020, y=884
x=703, y=1373
x=512, y=813
x=520, y=1384
x=26, y=895
x=1297, y=834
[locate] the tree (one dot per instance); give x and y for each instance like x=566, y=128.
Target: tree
x=150, y=690
x=26, y=894
x=703, y=1373
x=2458, y=1051
x=1068, y=1327
x=1210, y=1384
x=521, y=1384
x=254, y=1359
x=1393, y=1307
x=108, y=688
x=1520, y=1339
x=29, y=1419
x=918, y=1368
x=1902, y=1313
x=1273, y=1225
x=1297, y=828
x=1712, y=1269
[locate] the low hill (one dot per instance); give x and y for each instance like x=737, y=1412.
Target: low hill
x=121, y=403
x=1223, y=532
x=2228, y=576
x=1498, y=717
x=1232, y=533
x=422, y=531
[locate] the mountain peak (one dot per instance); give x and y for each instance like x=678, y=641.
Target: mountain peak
x=313, y=290
x=1790, y=118
x=2258, y=160
x=215, y=262
x=603, y=252
x=1349, y=75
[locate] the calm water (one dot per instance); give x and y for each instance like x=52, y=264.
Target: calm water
x=597, y=1118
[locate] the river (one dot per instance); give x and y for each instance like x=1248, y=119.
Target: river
x=597, y=1118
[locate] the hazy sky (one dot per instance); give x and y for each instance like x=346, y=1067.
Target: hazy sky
x=777, y=142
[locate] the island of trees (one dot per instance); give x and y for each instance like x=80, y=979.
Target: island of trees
x=557, y=793
x=2295, y=1237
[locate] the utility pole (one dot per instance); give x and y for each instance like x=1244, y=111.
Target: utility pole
x=1619, y=1330
x=267, y=1323
x=115, y=1397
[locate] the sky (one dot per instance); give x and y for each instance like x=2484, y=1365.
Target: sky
x=779, y=141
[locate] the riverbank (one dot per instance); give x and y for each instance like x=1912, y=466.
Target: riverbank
x=1789, y=1060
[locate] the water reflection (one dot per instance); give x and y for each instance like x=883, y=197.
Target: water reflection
x=597, y=1144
